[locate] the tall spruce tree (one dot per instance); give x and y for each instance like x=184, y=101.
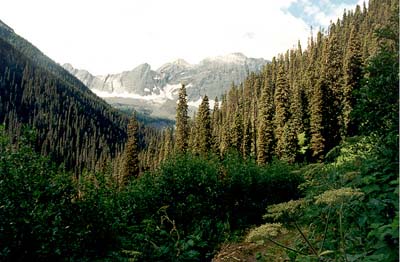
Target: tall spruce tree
x=225, y=134
x=265, y=133
x=317, y=120
x=182, y=122
x=352, y=81
x=333, y=81
x=215, y=126
x=282, y=112
x=131, y=163
x=203, y=124
x=247, y=138
x=168, y=143
x=237, y=129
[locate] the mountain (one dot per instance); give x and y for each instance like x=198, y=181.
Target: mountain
x=72, y=124
x=155, y=91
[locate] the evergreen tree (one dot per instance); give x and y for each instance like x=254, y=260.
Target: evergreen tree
x=247, y=138
x=182, y=125
x=290, y=147
x=265, y=126
x=317, y=121
x=215, y=126
x=352, y=81
x=237, y=130
x=203, y=125
x=225, y=134
x=333, y=81
x=131, y=165
x=377, y=106
x=168, y=143
x=282, y=106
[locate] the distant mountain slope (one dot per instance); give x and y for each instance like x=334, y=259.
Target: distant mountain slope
x=153, y=91
x=73, y=124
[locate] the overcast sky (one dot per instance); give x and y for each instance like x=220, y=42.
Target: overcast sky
x=109, y=36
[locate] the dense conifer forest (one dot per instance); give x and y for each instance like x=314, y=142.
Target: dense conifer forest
x=297, y=163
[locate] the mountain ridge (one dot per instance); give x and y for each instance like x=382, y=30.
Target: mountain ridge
x=143, y=87
x=73, y=126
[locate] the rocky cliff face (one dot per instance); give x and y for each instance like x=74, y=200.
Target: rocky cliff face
x=145, y=88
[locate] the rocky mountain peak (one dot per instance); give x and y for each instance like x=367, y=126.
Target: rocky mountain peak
x=155, y=91
x=181, y=62
x=232, y=58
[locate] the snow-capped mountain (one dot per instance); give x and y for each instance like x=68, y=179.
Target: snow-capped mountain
x=156, y=91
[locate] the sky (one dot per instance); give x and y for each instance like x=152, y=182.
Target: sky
x=111, y=36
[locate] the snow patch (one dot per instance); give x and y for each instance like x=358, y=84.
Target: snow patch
x=198, y=102
x=166, y=93
x=195, y=103
x=153, y=97
x=170, y=90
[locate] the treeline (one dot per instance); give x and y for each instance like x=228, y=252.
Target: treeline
x=300, y=106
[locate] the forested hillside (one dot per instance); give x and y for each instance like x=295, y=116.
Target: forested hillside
x=301, y=105
x=73, y=125
x=300, y=162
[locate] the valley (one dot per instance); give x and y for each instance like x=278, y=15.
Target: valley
x=290, y=158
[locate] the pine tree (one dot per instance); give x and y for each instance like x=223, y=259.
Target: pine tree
x=131, y=163
x=237, y=130
x=265, y=126
x=168, y=143
x=203, y=125
x=182, y=125
x=333, y=81
x=317, y=121
x=247, y=138
x=225, y=134
x=352, y=81
x=282, y=105
x=290, y=147
x=216, y=125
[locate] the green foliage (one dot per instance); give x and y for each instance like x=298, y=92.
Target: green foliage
x=192, y=203
x=350, y=208
x=265, y=135
x=45, y=214
x=131, y=157
x=181, y=212
x=73, y=125
x=203, y=126
x=378, y=99
x=182, y=122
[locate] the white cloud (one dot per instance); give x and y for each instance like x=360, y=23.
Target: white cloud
x=311, y=10
x=330, y=12
x=109, y=36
